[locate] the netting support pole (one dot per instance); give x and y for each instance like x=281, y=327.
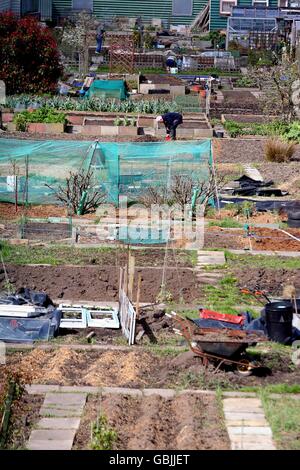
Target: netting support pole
x=214, y=176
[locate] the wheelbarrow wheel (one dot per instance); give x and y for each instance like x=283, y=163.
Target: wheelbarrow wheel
x=244, y=368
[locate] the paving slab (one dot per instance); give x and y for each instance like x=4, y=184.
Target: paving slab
x=52, y=435
x=249, y=430
x=242, y=404
x=50, y=445
x=65, y=399
x=162, y=392
x=252, y=446
x=58, y=423
x=121, y=390
x=41, y=389
x=60, y=412
x=210, y=257
x=240, y=394
x=248, y=422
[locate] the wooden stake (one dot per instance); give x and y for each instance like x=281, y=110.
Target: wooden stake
x=137, y=307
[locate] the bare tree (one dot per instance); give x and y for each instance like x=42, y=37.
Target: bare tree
x=277, y=83
x=79, y=35
x=183, y=190
x=79, y=192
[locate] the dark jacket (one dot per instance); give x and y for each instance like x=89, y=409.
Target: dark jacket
x=171, y=119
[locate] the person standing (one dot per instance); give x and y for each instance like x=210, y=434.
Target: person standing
x=171, y=122
x=99, y=38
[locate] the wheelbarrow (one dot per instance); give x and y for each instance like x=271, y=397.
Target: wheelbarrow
x=219, y=346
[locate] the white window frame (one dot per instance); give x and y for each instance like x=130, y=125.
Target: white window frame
x=260, y=2
x=232, y=2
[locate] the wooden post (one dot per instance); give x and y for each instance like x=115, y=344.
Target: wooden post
x=131, y=271
x=137, y=307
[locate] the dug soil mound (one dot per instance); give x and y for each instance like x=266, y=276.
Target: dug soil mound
x=149, y=423
x=66, y=366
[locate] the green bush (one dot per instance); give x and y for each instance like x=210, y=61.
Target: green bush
x=290, y=132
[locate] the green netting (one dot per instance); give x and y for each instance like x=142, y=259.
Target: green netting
x=108, y=89
x=122, y=169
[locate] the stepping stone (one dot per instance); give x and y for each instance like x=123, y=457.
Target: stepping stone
x=246, y=423
x=206, y=258
x=51, y=439
x=249, y=430
x=50, y=445
x=60, y=412
x=65, y=399
x=58, y=423
x=162, y=392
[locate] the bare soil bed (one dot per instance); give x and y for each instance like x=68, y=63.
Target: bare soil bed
x=25, y=414
x=140, y=368
x=46, y=231
x=99, y=283
x=189, y=422
x=264, y=239
x=247, y=151
x=157, y=79
x=269, y=280
x=8, y=211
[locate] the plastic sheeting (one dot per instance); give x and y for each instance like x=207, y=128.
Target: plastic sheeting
x=108, y=89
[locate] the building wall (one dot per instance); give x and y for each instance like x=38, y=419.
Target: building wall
x=218, y=21
x=147, y=9
x=4, y=5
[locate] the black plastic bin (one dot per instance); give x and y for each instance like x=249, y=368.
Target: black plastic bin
x=279, y=318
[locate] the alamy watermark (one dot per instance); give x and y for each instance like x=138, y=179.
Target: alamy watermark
x=158, y=223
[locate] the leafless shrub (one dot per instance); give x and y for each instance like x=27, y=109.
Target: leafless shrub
x=79, y=191
x=277, y=150
x=183, y=190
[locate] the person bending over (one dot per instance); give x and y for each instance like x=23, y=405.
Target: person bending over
x=171, y=122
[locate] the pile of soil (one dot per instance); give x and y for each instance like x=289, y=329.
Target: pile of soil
x=95, y=283
x=146, y=138
x=150, y=423
x=69, y=367
x=153, y=320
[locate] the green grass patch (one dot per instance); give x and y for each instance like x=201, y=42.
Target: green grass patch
x=280, y=388
x=226, y=296
x=60, y=255
x=227, y=222
x=283, y=416
x=261, y=261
